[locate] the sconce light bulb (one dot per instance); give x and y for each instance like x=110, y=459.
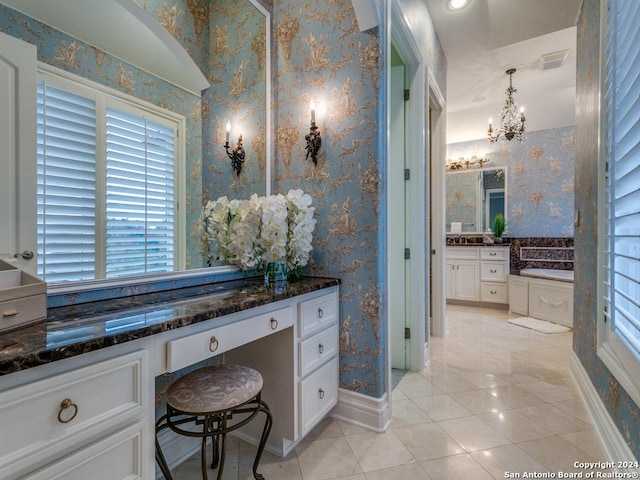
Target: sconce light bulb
x=490, y=121
x=521, y=109
x=228, y=126
x=313, y=111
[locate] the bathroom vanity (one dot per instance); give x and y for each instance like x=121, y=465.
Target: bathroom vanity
x=77, y=392
x=477, y=274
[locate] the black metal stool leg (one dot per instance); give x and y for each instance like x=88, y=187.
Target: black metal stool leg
x=162, y=463
x=215, y=449
x=203, y=457
x=263, y=439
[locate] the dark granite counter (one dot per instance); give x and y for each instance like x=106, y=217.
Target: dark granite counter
x=77, y=329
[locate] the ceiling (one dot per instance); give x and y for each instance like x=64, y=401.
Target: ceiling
x=488, y=37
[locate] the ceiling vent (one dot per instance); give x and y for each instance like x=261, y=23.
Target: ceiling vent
x=553, y=60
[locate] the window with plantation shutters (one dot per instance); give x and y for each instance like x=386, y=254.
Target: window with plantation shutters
x=139, y=195
x=107, y=185
x=620, y=241
x=66, y=202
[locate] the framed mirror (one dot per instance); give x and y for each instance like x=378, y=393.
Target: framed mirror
x=474, y=197
x=246, y=91
x=239, y=97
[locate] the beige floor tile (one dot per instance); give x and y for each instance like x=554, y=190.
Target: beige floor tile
x=574, y=407
x=555, y=453
x=351, y=429
x=327, y=428
x=514, y=426
x=513, y=396
x=473, y=434
x=326, y=459
x=483, y=379
x=405, y=472
x=553, y=419
x=405, y=412
x=428, y=441
x=441, y=407
x=452, y=382
x=550, y=391
x=509, y=458
x=455, y=467
x=588, y=442
x=479, y=401
x=375, y=451
x=416, y=385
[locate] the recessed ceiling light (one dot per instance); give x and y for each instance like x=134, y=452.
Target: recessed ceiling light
x=457, y=4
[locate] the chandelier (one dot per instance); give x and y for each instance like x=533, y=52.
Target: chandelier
x=511, y=122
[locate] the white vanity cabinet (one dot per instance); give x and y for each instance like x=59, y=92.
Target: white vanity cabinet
x=462, y=268
x=87, y=422
x=494, y=273
x=317, y=347
x=478, y=274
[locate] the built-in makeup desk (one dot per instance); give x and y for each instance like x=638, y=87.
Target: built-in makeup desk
x=77, y=392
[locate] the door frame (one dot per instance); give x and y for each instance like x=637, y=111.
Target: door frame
x=416, y=188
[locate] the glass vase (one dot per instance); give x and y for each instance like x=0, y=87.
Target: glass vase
x=275, y=276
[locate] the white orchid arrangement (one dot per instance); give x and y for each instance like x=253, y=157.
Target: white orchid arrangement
x=252, y=233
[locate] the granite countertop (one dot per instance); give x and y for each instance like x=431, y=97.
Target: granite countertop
x=73, y=330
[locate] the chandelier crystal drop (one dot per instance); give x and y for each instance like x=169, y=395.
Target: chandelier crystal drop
x=511, y=120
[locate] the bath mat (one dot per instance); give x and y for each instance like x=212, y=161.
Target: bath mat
x=539, y=325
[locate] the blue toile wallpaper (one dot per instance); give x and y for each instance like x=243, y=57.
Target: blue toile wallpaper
x=622, y=409
x=540, y=180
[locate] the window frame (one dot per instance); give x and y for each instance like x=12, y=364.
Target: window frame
x=106, y=96
x=621, y=362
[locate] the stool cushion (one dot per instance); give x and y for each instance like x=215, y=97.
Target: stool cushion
x=214, y=389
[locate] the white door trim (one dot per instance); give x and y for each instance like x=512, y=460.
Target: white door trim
x=416, y=188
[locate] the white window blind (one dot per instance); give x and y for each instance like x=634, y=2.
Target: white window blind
x=622, y=136
x=140, y=196
x=106, y=185
x=66, y=130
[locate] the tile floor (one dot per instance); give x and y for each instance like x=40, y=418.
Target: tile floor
x=495, y=398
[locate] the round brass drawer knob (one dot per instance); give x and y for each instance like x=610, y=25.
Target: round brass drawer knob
x=274, y=323
x=213, y=344
x=67, y=404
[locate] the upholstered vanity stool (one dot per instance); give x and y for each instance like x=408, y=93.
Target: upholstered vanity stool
x=210, y=397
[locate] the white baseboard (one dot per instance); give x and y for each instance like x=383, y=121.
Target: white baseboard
x=361, y=410
x=611, y=440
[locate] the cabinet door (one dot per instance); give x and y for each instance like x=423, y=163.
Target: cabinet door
x=468, y=285
x=18, y=152
x=452, y=278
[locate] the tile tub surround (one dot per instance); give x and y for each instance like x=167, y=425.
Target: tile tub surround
x=78, y=329
x=554, y=253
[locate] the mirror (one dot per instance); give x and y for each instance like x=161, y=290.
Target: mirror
x=236, y=61
x=239, y=94
x=474, y=197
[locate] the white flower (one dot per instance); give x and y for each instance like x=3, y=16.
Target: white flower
x=251, y=233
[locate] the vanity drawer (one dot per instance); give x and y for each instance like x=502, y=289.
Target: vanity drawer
x=116, y=457
x=22, y=311
x=44, y=418
x=494, y=292
x=318, y=395
x=493, y=272
x=463, y=253
x=316, y=350
x=494, y=253
x=317, y=313
x=194, y=348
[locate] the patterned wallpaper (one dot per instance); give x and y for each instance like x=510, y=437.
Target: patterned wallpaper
x=540, y=179
x=319, y=54
x=623, y=410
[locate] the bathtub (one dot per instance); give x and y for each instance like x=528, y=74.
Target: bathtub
x=543, y=293
x=549, y=274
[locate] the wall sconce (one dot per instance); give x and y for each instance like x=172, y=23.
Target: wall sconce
x=237, y=154
x=314, y=141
